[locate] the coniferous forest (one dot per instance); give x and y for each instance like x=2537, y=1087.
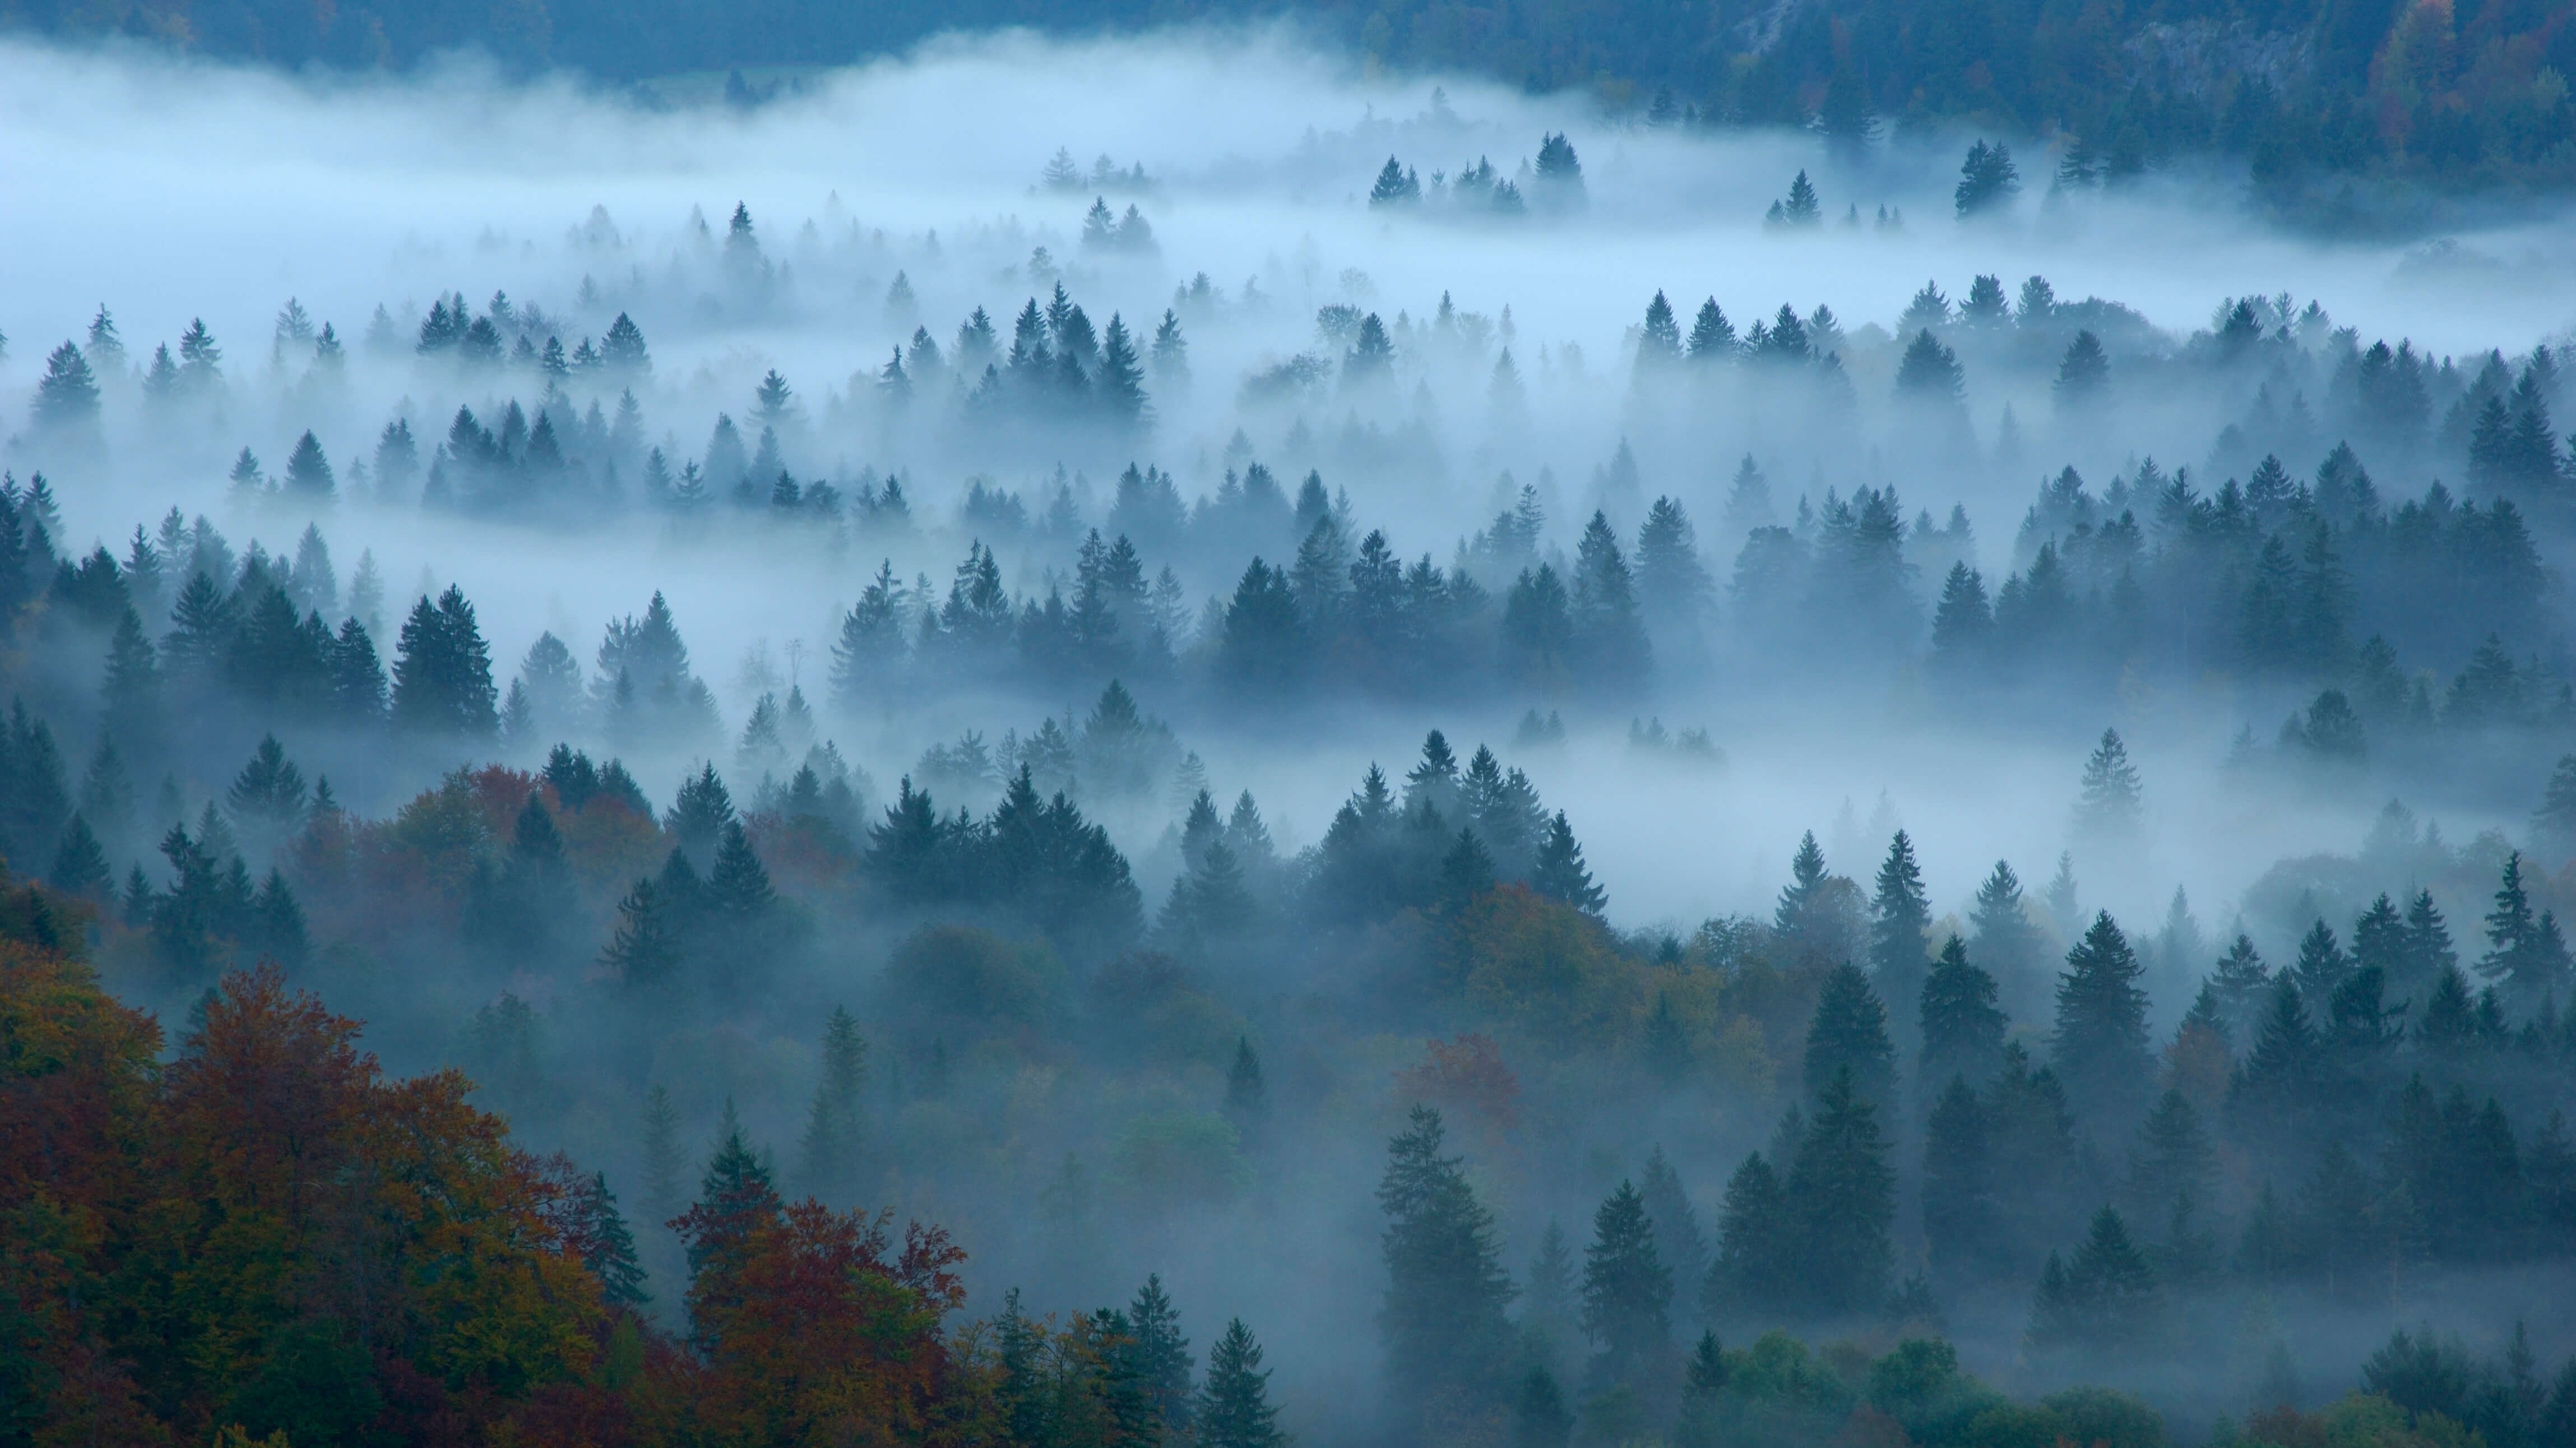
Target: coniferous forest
x=1428, y=767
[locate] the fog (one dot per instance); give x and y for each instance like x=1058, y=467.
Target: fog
x=885, y=203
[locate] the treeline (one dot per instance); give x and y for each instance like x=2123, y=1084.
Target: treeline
x=2456, y=98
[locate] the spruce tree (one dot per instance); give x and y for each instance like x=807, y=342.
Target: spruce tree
x=1757, y=1269
x=1843, y=1195
x=67, y=397
x=829, y=1153
x=2109, y=807
x=661, y=1153
x=1958, y=1183
x=2099, y=1047
x=1961, y=1026
x=443, y=672
x=1678, y=1243
x=1246, y=1097
x=1559, y=873
x=1162, y=1357
x=1848, y=1036
x=1900, y=921
x=2553, y=825
x=644, y=949
x=1539, y=1416
x=608, y=1248
x=1443, y=1319
x=1793, y=917
x=1234, y=1406
x=1627, y=1290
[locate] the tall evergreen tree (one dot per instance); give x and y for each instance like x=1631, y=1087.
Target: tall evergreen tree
x=1443, y=1320
x=1844, y=1197
x=1627, y=1290
x=1162, y=1356
x=2099, y=1047
x=833, y=1126
x=1559, y=873
x=443, y=672
x=1900, y=922
x=2109, y=807
x=1961, y=1026
x=1848, y=1036
x=1234, y=1407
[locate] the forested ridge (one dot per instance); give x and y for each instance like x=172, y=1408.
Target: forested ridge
x=2454, y=96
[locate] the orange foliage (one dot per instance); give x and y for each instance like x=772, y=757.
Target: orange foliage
x=1467, y=1080
x=820, y=1337
x=1545, y=971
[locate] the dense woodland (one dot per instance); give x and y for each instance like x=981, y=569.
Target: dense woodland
x=2468, y=96
x=931, y=1046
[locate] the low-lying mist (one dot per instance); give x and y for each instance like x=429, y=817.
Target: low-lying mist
x=1804, y=530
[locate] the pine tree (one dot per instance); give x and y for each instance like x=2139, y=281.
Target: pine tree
x=1848, y=1036
x=1234, y=1406
x=833, y=1126
x=1900, y=921
x=2099, y=1047
x=1627, y=1289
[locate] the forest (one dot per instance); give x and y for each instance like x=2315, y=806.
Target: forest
x=2301, y=98
x=1571, y=814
